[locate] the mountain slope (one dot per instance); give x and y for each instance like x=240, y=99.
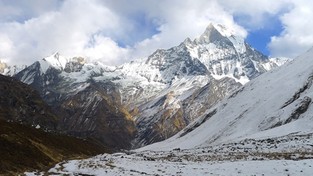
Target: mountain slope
x=214, y=64
x=275, y=105
x=158, y=95
x=20, y=103
x=87, y=108
x=28, y=132
x=24, y=148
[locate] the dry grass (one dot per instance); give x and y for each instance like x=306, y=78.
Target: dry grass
x=24, y=148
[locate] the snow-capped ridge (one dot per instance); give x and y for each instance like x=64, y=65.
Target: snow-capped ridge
x=225, y=31
x=210, y=35
x=61, y=63
x=10, y=70
x=56, y=61
x=280, y=60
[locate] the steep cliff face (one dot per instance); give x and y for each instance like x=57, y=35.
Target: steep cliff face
x=96, y=112
x=227, y=55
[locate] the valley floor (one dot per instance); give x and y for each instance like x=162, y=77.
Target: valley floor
x=289, y=155
x=122, y=164
x=259, y=155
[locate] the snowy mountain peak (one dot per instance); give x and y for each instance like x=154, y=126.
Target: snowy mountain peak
x=209, y=28
x=62, y=63
x=210, y=35
x=56, y=55
x=57, y=61
x=187, y=41
x=225, y=31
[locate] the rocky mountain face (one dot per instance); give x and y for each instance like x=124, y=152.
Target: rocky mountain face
x=227, y=55
x=20, y=103
x=275, y=107
x=29, y=138
x=146, y=100
x=197, y=74
x=87, y=108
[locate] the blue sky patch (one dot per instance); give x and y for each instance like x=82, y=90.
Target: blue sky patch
x=259, y=38
x=142, y=28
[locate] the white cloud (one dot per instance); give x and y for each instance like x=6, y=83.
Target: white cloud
x=106, y=50
x=179, y=20
x=297, y=36
x=95, y=28
x=6, y=47
x=256, y=13
x=66, y=30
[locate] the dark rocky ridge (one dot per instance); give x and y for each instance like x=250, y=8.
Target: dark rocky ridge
x=29, y=136
x=20, y=103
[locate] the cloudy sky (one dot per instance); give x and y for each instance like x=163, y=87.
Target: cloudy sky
x=116, y=31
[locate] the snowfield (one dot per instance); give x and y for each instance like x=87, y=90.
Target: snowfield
x=289, y=155
x=137, y=166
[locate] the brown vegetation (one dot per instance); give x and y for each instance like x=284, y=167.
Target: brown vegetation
x=24, y=148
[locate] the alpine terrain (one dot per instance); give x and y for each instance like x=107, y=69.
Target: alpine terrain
x=149, y=99
x=263, y=128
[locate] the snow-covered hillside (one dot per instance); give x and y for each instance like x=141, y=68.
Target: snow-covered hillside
x=121, y=164
x=275, y=104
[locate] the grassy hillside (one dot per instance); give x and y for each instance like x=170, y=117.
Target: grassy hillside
x=24, y=148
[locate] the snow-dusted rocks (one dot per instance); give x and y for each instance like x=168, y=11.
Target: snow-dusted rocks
x=88, y=108
x=9, y=70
